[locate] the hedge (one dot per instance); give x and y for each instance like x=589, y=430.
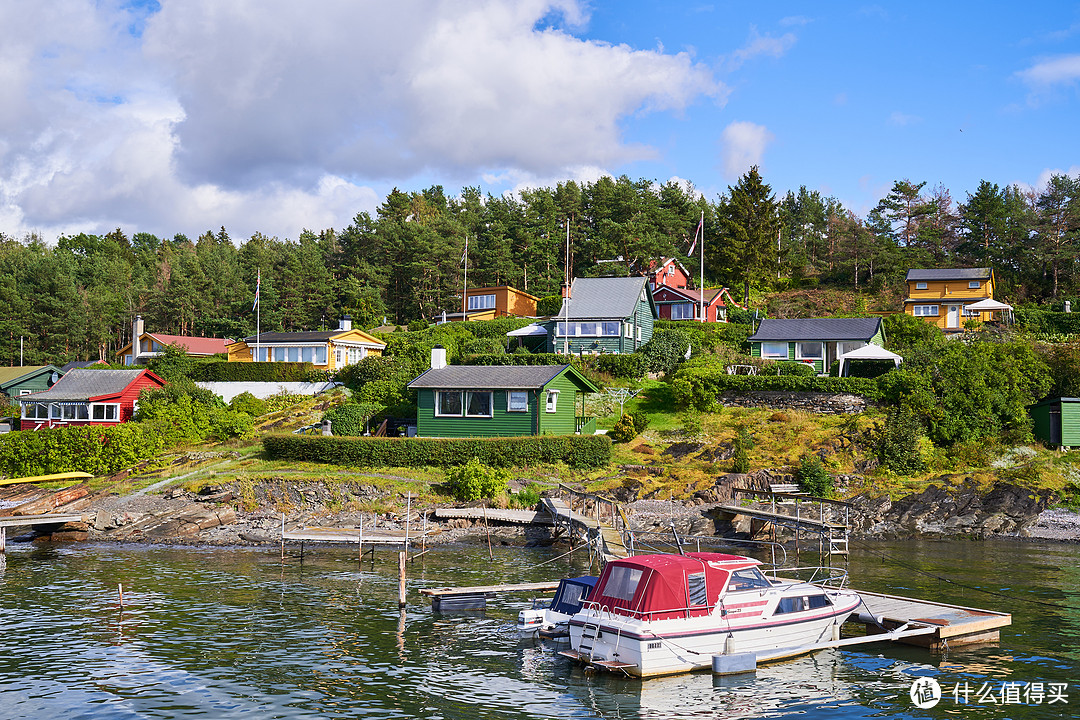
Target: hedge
x=701, y=387
x=1047, y=321
x=579, y=451
x=521, y=359
x=94, y=449
x=254, y=372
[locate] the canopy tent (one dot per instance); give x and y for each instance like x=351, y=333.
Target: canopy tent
x=992, y=305
x=531, y=329
x=868, y=352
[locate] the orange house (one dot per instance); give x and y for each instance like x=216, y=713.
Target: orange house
x=503, y=299
x=940, y=296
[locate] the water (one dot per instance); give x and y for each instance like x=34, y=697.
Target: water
x=233, y=633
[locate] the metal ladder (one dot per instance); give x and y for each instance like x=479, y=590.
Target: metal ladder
x=589, y=632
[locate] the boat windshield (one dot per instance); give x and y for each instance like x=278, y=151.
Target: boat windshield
x=570, y=598
x=747, y=579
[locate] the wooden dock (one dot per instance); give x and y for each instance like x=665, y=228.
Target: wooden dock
x=475, y=598
x=611, y=540
x=519, y=517
x=46, y=519
x=348, y=535
x=953, y=624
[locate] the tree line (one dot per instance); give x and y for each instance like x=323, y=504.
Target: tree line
x=75, y=299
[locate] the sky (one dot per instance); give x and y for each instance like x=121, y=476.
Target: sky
x=270, y=116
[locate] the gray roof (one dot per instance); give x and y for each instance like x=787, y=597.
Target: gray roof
x=271, y=338
x=82, y=384
x=607, y=298
x=488, y=377
x=950, y=274
x=817, y=329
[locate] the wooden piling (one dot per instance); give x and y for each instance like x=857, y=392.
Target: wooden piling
x=408, y=512
x=401, y=579
x=487, y=530
x=283, y=537
x=120, y=592
x=3, y=540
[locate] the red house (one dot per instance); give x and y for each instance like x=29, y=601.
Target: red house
x=683, y=303
x=669, y=272
x=87, y=397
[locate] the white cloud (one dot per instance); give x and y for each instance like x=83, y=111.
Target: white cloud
x=742, y=146
x=1063, y=70
x=1043, y=180
x=903, y=119
x=760, y=45
x=271, y=115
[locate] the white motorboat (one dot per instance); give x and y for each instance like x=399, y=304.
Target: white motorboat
x=663, y=614
x=551, y=618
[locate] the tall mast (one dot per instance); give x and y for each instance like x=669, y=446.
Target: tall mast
x=701, y=284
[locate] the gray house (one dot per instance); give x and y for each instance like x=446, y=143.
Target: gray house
x=815, y=341
x=603, y=315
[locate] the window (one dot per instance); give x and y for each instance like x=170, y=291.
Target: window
x=35, y=411
x=105, y=411
x=552, y=400
x=448, y=402
x=482, y=302
x=774, y=350
x=925, y=310
x=748, y=579
x=517, y=401
x=670, y=269
x=478, y=404
x=622, y=582
x=973, y=284
x=920, y=286
x=629, y=327
x=808, y=351
x=846, y=347
x=695, y=589
x=25, y=392
x=75, y=412
x=682, y=311
x=588, y=329
x=798, y=604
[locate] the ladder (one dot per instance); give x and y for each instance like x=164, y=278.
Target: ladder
x=589, y=632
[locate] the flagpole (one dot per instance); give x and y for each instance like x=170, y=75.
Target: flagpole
x=701, y=286
x=258, y=312
x=465, y=291
x=566, y=301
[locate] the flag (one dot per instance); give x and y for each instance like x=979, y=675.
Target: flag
x=697, y=230
x=258, y=284
x=465, y=252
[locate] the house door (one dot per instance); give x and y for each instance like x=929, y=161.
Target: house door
x=1055, y=425
x=952, y=319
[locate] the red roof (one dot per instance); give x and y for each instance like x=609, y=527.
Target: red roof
x=654, y=587
x=194, y=345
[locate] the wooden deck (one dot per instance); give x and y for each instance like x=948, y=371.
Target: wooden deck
x=522, y=517
x=475, y=598
x=46, y=519
x=348, y=535
x=955, y=624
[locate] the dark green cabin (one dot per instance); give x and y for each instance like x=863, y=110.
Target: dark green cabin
x=1056, y=421
x=814, y=341
x=18, y=381
x=501, y=400
x=603, y=315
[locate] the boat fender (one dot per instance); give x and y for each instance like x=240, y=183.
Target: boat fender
x=868, y=619
x=729, y=647
x=835, y=632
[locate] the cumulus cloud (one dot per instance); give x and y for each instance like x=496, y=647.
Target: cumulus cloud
x=742, y=146
x=1063, y=70
x=271, y=115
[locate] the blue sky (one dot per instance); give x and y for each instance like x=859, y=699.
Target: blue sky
x=271, y=116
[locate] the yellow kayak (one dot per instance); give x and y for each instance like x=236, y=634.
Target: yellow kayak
x=47, y=478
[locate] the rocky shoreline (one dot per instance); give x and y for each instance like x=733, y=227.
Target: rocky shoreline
x=220, y=516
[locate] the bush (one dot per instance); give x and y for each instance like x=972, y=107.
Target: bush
x=789, y=368
x=740, y=461
x=527, y=497
x=90, y=448
x=641, y=421
x=222, y=371
x=664, y=351
x=630, y=366
x=813, y=478
x=624, y=430
x=549, y=305
x=897, y=443
x=247, y=403
x=578, y=451
x=474, y=480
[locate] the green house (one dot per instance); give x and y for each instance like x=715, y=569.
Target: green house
x=814, y=341
x=26, y=379
x=1056, y=421
x=603, y=315
x=501, y=400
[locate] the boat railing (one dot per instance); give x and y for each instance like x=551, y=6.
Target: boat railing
x=823, y=575
x=604, y=612
x=656, y=541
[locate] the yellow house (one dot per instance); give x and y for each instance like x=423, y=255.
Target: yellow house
x=940, y=296
x=504, y=300
x=325, y=349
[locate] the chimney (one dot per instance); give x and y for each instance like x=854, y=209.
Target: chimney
x=136, y=333
x=566, y=290
x=345, y=323
x=438, y=357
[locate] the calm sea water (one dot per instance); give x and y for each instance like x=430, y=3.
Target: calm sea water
x=235, y=633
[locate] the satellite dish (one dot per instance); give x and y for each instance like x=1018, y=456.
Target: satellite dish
x=53, y=378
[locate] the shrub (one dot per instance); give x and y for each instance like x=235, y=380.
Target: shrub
x=222, y=371
x=790, y=368
x=640, y=420
x=527, y=497
x=579, y=451
x=897, y=443
x=741, y=459
x=247, y=403
x=664, y=351
x=549, y=305
x=624, y=430
x=348, y=419
x=813, y=478
x=417, y=325
x=628, y=366
x=474, y=480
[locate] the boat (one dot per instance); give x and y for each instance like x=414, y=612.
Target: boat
x=664, y=614
x=550, y=618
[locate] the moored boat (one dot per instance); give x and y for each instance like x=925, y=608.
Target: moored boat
x=551, y=618
x=663, y=614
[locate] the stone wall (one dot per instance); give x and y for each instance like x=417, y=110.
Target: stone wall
x=816, y=402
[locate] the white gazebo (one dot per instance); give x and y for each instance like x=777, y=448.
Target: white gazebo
x=992, y=305
x=868, y=352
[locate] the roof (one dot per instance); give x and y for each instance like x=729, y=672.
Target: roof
x=711, y=294
x=312, y=336
x=86, y=384
x=74, y=364
x=606, y=298
x=194, y=345
x=817, y=329
x=9, y=375
x=950, y=274
x=495, y=377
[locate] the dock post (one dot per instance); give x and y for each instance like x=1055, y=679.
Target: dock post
x=408, y=512
x=3, y=540
x=401, y=579
x=360, y=540
x=283, y=537
x=488, y=531
x=423, y=536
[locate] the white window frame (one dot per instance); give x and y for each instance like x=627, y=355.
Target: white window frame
x=768, y=353
x=799, y=350
x=685, y=311
x=25, y=392
x=482, y=302
x=629, y=327
x=552, y=403
x=438, y=403
x=925, y=311
x=920, y=286
x=469, y=394
x=974, y=284
x=519, y=395
x=35, y=416
x=115, y=412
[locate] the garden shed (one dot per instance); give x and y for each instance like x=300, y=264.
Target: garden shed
x=1056, y=421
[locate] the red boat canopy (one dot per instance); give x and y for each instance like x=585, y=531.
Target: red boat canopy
x=657, y=587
